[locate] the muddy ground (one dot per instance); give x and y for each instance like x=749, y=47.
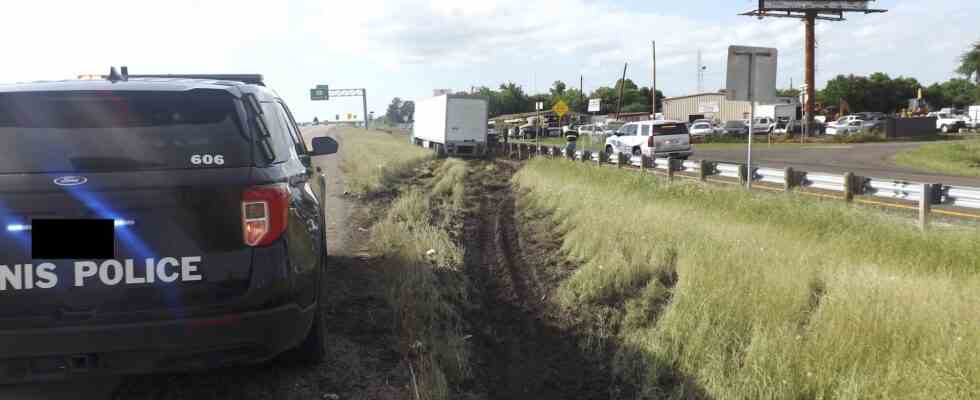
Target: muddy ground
x=525, y=348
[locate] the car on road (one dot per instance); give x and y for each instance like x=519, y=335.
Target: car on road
x=702, y=129
x=156, y=223
x=659, y=138
x=735, y=128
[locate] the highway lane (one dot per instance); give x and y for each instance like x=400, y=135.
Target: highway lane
x=865, y=159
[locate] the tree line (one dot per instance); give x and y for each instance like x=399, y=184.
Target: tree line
x=877, y=92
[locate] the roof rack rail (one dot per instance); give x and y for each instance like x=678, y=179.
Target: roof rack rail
x=255, y=79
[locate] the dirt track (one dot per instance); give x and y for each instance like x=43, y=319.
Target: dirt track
x=524, y=350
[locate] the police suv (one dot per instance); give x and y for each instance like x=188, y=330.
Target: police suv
x=156, y=223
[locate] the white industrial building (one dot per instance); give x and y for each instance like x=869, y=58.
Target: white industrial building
x=714, y=106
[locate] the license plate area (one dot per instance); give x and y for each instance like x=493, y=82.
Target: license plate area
x=65, y=239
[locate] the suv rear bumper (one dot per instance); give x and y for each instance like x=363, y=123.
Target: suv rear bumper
x=669, y=154
x=174, y=345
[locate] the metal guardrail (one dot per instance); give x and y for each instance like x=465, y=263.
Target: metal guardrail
x=816, y=180
x=966, y=197
x=925, y=195
x=892, y=189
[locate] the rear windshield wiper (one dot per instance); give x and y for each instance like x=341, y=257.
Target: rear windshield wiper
x=255, y=114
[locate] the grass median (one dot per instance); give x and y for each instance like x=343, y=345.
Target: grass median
x=954, y=158
x=373, y=161
x=720, y=293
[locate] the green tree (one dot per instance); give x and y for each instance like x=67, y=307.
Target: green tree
x=407, y=111
x=791, y=92
x=557, y=89
x=512, y=99
x=393, y=114
x=970, y=63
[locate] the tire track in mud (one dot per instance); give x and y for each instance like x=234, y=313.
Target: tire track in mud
x=522, y=351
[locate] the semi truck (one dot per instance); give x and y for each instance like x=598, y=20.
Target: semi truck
x=454, y=125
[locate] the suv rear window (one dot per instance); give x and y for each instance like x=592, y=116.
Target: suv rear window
x=669, y=129
x=112, y=131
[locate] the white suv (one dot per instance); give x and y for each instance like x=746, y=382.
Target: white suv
x=662, y=138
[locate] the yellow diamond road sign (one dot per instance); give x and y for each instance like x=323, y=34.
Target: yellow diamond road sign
x=560, y=108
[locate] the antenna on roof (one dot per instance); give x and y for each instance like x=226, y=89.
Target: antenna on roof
x=113, y=75
x=124, y=70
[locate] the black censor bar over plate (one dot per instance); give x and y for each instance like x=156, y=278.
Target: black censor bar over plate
x=64, y=239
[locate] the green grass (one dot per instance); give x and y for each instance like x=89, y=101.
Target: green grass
x=726, y=294
x=955, y=158
x=424, y=281
x=373, y=161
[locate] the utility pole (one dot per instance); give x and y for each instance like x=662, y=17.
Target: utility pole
x=622, y=86
x=700, y=73
x=653, y=85
x=809, y=72
x=364, y=103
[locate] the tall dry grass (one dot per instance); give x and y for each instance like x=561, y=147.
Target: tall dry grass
x=725, y=294
x=424, y=281
x=374, y=161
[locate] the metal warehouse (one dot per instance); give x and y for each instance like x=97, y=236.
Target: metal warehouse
x=710, y=106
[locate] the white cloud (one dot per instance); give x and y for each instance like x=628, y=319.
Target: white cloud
x=408, y=47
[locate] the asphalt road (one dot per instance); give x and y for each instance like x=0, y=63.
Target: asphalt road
x=105, y=388
x=865, y=159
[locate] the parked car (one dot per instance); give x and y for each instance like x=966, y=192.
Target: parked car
x=947, y=123
x=854, y=126
x=701, y=129
x=662, y=138
x=589, y=129
x=795, y=127
x=735, y=128
x=762, y=125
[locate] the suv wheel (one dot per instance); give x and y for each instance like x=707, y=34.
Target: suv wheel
x=609, y=150
x=637, y=152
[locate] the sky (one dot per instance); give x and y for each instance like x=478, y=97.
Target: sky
x=407, y=48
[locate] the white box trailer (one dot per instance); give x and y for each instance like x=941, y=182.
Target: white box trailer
x=453, y=124
x=776, y=111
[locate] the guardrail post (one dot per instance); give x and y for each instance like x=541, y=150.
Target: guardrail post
x=620, y=160
x=925, y=205
x=789, y=179
x=586, y=155
x=849, y=187
x=645, y=162
x=672, y=164
x=703, y=170
x=603, y=157
x=743, y=174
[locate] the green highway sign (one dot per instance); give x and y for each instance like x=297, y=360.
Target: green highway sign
x=321, y=92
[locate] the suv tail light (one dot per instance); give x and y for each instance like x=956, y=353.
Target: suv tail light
x=264, y=213
x=650, y=141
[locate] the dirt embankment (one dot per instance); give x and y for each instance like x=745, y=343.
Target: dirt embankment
x=524, y=348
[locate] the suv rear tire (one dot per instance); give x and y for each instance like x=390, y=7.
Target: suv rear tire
x=609, y=150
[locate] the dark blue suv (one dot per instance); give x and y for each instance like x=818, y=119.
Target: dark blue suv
x=156, y=223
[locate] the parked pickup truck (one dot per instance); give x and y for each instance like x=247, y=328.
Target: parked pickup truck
x=948, y=123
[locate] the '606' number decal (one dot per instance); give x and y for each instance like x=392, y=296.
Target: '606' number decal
x=207, y=159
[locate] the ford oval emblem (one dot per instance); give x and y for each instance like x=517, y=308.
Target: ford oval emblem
x=70, y=180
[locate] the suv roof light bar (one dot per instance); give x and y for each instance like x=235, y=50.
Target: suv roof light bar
x=255, y=79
